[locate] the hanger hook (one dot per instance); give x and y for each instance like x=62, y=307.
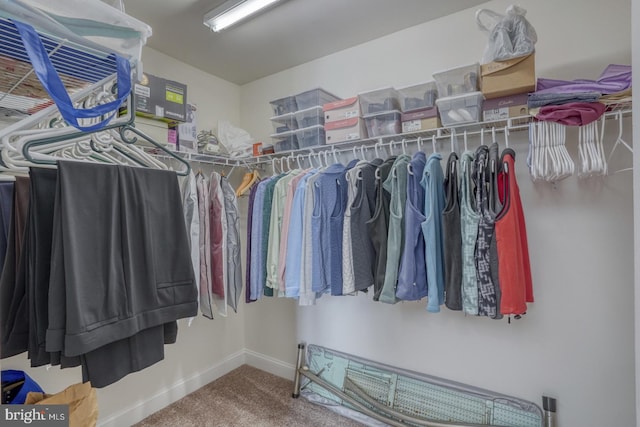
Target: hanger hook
x=493, y=134
x=506, y=136
x=363, y=152
x=464, y=135
x=273, y=165
x=433, y=143
x=335, y=154
x=481, y=136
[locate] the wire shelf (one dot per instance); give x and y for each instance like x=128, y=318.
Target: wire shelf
x=20, y=90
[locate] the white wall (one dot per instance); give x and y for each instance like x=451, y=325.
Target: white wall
x=576, y=342
x=206, y=349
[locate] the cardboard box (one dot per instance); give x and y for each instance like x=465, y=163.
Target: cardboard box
x=341, y=110
x=424, y=119
x=505, y=107
x=188, y=132
x=158, y=130
x=345, y=130
x=159, y=98
x=509, y=77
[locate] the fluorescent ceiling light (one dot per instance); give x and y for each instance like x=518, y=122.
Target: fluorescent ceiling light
x=233, y=11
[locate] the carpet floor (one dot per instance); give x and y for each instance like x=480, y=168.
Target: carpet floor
x=245, y=397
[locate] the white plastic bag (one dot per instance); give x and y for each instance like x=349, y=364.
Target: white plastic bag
x=237, y=142
x=510, y=35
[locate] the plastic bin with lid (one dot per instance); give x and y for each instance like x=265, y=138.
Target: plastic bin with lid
x=460, y=109
x=284, y=141
x=385, y=123
x=309, y=117
x=284, y=123
x=380, y=100
x=310, y=136
x=314, y=98
x=458, y=80
x=284, y=105
x=417, y=97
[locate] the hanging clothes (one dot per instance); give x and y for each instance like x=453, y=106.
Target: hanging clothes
x=6, y=206
x=267, y=211
x=396, y=185
x=234, y=267
x=286, y=224
x=250, y=243
x=39, y=240
x=275, y=229
x=486, y=287
x=133, y=253
x=294, y=256
x=348, y=280
x=434, y=203
x=412, y=278
x=493, y=169
x=218, y=232
x=452, y=237
x=204, y=239
x=307, y=293
x=378, y=226
x=257, y=254
x=327, y=221
x=13, y=310
x=361, y=213
x=469, y=219
x=189, y=192
x=511, y=236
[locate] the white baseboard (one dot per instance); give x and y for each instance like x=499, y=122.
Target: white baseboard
x=134, y=414
x=269, y=364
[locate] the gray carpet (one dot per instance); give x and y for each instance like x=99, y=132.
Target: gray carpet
x=245, y=397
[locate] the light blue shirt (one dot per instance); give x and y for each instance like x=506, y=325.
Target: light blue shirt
x=256, y=241
x=293, y=272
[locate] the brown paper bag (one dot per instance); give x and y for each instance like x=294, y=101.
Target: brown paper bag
x=82, y=401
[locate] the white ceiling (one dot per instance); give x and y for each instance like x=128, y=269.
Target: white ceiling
x=295, y=32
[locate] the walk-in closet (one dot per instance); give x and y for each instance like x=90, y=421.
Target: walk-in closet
x=359, y=212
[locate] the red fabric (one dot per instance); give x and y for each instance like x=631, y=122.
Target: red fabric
x=514, y=268
x=217, y=237
x=572, y=114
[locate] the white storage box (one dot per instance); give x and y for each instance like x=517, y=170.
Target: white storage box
x=309, y=117
x=314, y=98
x=460, y=109
x=284, y=105
x=345, y=130
x=378, y=101
x=385, y=123
x=310, y=137
x=341, y=110
x=284, y=123
x=418, y=97
x=284, y=141
x=459, y=80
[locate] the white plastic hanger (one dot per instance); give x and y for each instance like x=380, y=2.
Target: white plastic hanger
x=620, y=141
x=433, y=143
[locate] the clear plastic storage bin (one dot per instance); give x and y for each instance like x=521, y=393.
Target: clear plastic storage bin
x=417, y=97
x=310, y=117
x=314, y=98
x=385, y=123
x=459, y=80
x=284, y=105
x=460, y=109
x=284, y=123
x=310, y=137
x=284, y=142
x=378, y=101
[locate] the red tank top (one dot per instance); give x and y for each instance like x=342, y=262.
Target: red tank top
x=514, y=269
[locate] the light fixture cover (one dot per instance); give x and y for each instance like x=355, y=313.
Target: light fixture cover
x=233, y=11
